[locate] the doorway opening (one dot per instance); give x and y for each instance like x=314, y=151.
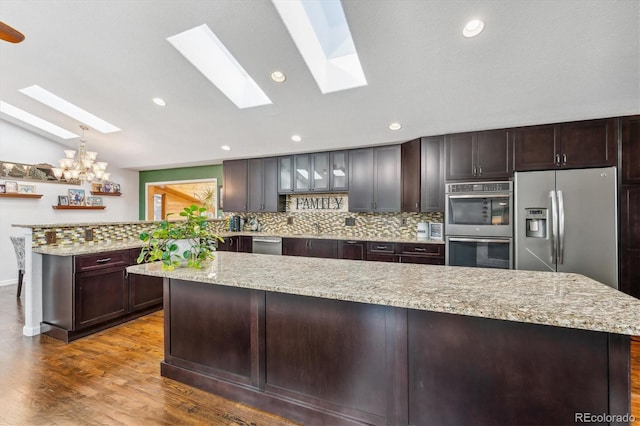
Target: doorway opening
x=172, y=197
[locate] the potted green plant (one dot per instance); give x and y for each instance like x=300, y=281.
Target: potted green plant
x=181, y=242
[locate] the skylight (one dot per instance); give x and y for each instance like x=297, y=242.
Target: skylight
x=205, y=51
x=321, y=33
x=67, y=108
x=34, y=121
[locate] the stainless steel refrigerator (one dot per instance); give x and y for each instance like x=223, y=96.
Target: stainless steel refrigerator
x=566, y=221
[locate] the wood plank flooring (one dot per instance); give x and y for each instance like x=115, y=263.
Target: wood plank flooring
x=113, y=378
x=109, y=378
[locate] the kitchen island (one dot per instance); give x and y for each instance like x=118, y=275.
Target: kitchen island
x=347, y=342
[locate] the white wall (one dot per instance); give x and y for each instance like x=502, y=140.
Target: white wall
x=21, y=146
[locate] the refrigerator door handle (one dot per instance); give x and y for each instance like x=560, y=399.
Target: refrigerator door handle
x=554, y=225
x=560, y=228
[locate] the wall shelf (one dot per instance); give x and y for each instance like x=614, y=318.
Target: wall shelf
x=17, y=195
x=108, y=194
x=78, y=207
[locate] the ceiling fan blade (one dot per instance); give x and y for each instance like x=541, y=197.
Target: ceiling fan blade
x=10, y=34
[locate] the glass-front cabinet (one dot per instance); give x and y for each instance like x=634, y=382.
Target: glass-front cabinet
x=339, y=173
x=285, y=174
x=317, y=172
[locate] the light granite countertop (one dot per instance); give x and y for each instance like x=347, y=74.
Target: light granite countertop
x=547, y=298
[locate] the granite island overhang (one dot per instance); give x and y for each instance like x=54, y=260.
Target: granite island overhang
x=349, y=342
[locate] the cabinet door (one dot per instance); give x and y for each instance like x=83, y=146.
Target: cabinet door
x=339, y=171
x=590, y=143
x=302, y=172
x=387, y=179
x=144, y=291
x=630, y=240
x=270, y=185
x=459, y=156
x=285, y=174
x=255, y=185
x=229, y=244
x=535, y=148
x=100, y=295
x=410, y=158
x=631, y=150
x=235, y=185
x=354, y=250
x=432, y=174
x=327, y=249
x=361, y=180
x=320, y=171
x=493, y=155
x=295, y=247
x=244, y=244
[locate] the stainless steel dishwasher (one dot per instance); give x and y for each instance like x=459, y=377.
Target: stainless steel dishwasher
x=267, y=245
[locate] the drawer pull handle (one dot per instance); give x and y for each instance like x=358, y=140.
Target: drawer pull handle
x=420, y=249
x=381, y=247
x=105, y=260
x=352, y=242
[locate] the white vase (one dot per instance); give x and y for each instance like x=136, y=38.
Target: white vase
x=183, y=245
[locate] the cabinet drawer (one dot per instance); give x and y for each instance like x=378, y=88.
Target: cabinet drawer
x=375, y=247
x=101, y=260
x=431, y=250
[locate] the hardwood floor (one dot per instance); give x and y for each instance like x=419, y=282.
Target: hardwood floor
x=109, y=378
x=113, y=378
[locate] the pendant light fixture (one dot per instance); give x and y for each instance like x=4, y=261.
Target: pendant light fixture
x=82, y=166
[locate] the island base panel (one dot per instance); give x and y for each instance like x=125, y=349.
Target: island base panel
x=326, y=361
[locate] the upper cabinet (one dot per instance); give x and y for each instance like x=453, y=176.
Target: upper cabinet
x=478, y=155
x=631, y=150
x=375, y=179
x=285, y=174
x=580, y=144
x=311, y=172
x=262, y=185
x=339, y=179
x=234, y=175
x=317, y=172
x=423, y=175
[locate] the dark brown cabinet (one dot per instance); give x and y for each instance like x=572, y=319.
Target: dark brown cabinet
x=478, y=155
x=630, y=240
x=236, y=243
x=262, y=185
x=234, y=176
x=630, y=150
x=580, y=144
x=352, y=249
x=144, y=291
x=375, y=179
x=427, y=254
x=310, y=247
x=87, y=293
x=423, y=175
x=381, y=252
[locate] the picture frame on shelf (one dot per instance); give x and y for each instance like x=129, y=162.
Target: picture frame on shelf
x=63, y=200
x=3, y=188
x=96, y=187
x=11, y=186
x=116, y=188
x=94, y=201
x=76, y=197
x=26, y=189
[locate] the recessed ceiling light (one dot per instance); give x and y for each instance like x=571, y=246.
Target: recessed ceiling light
x=395, y=126
x=205, y=51
x=226, y=147
x=296, y=138
x=159, y=102
x=473, y=28
x=322, y=35
x=67, y=108
x=278, y=76
x=38, y=122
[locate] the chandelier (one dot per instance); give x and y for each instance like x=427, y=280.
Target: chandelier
x=84, y=166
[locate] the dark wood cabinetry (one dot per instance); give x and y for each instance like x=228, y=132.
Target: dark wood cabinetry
x=630, y=207
x=427, y=254
x=479, y=155
x=381, y=252
x=310, y=247
x=87, y=293
x=236, y=243
x=262, y=185
x=352, y=249
x=580, y=144
x=235, y=185
x=311, y=172
x=375, y=179
x=423, y=175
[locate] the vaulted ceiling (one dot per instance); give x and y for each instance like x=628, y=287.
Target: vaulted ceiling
x=536, y=62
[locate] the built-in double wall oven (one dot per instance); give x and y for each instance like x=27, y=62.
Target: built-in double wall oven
x=479, y=224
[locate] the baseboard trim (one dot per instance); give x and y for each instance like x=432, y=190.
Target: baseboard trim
x=8, y=282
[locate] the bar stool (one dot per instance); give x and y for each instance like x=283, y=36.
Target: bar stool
x=18, y=246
